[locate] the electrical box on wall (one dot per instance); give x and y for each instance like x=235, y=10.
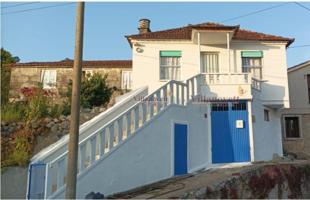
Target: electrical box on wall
x=239, y=123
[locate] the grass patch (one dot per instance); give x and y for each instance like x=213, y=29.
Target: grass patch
x=13, y=112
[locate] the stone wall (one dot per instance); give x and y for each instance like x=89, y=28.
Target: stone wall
x=273, y=181
x=31, y=76
x=298, y=145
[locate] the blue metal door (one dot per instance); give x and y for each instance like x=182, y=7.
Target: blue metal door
x=36, y=181
x=230, y=132
x=180, y=149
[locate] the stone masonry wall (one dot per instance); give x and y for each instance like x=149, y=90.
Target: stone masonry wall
x=31, y=76
x=273, y=181
x=300, y=144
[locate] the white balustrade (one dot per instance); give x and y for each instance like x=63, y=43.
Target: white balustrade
x=256, y=84
x=227, y=78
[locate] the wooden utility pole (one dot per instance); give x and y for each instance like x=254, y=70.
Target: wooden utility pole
x=75, y=105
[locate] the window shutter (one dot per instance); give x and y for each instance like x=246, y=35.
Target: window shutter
x=170, y=53
x=251, y=54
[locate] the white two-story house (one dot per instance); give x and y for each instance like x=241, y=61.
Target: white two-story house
x=204, y=95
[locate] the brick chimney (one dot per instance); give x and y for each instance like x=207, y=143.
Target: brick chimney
x=144, y=26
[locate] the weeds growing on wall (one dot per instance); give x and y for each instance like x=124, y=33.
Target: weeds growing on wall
x=13, y=112
x=20, y=154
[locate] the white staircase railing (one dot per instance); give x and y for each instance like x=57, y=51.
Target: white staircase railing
x=257, y=84
x=109, y=137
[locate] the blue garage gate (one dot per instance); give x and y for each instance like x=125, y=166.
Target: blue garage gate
x=230, y=132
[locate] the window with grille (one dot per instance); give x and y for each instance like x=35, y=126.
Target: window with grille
x=292, y=127
x=238, y=106
x=221, y=106
x=126, y=80
x=170, y=65
x=210, y=62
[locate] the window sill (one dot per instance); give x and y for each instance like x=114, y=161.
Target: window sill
x=293, y=139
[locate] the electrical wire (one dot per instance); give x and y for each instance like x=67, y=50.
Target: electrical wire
x=299, y=46
x=299, y=4
x=19, y=4
x=39, y=8
x=254, y=12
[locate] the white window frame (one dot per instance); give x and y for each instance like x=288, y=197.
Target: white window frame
x=266, y=111
x=88, y=71
x=253, y=67
x=48, y=85
x=122, y=80
x=218, y=61
x=160, y=66
x=300, y=127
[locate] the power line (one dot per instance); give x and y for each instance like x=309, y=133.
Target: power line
x=255, y=12
x=299, y=4
x=39, y=8
x=19, y=4
x=300, y=46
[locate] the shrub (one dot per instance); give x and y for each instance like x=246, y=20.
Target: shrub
x=12, y=112
x=39, y=104
x=55, y=110
x=37, y=107
x=94, y=91
x=20, y=155
x=66, y=108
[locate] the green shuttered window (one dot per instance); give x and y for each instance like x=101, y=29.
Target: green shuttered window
x=170, y=54
x=170, y=64
x=251, y=54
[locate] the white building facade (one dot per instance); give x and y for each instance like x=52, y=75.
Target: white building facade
x=204, y=95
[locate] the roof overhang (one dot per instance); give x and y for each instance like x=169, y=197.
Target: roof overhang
x=212, y=36
x=299, y=66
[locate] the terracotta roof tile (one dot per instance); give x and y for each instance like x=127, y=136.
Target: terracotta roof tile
x=242, y=34
x=185, y=33
x=69, y=64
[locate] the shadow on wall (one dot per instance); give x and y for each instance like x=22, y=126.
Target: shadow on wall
x=205, y=91
x=273, y=95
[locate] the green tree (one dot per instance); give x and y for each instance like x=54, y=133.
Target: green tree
x=6, y=58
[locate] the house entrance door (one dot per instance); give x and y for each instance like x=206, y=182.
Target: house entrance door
x=230, y=132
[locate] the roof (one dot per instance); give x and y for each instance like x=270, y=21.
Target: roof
x=301, y=65
x=69, y=64
x=185, y=33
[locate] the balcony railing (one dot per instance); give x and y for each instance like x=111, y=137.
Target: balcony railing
x=227, y=78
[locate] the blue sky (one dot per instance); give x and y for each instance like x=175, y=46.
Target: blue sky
x=48, y=34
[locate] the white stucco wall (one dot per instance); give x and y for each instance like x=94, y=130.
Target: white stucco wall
x=275, y=90
x=274, y=70
x=298, y=87
x=267, y=134
x=148, y=155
